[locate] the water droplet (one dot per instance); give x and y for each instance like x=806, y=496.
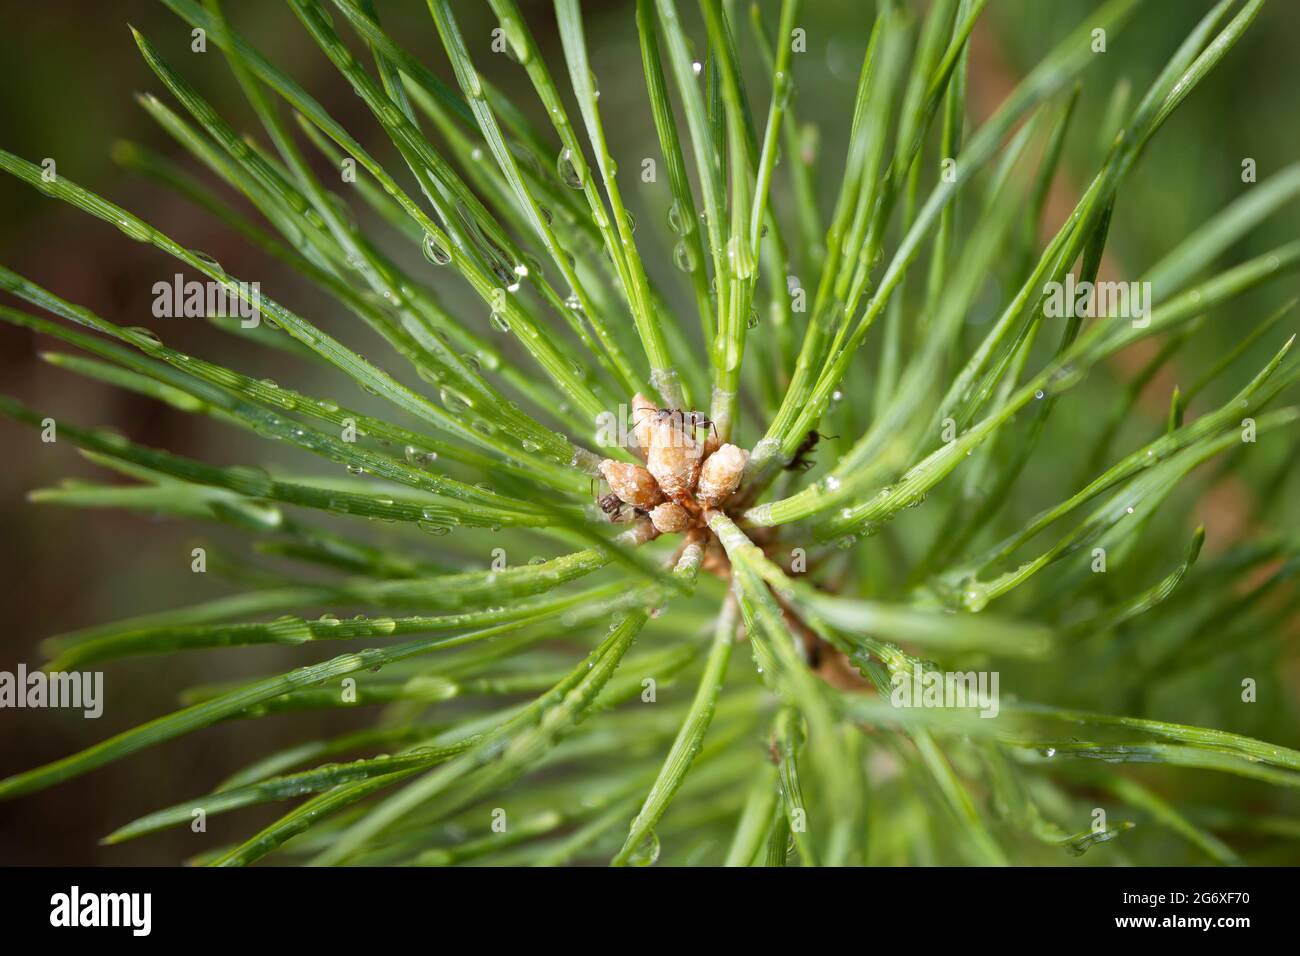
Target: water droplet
x=752, y=321
x=207, y=260
x=149, y=334
x=453, y=399
x=975, y=596
x=783, y=88
x=499, y=322
x=739, y=260
x=131, y=228
x=571, y=169
x=434, y=251
x=679, y=221
x=646, y=851
x=684, y=256
x=505, y=275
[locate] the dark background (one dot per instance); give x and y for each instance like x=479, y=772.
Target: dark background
x=68, y=70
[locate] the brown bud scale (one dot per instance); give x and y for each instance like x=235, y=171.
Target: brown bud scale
x=674, y=458
x=670, y=518
x=631, y=483
x=720, y=475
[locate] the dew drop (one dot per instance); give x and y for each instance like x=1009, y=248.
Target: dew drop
x=453, y=399
x=646, y=851
x=571, y=169
x=133, y=229
x=207, y=260
x=679, y=221
x=435, y=252
x=975, y=597
x=684, y=256
x=149, y=334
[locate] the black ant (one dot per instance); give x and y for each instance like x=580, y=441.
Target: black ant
x=801, y=459
x=612, y=505
x=682, y=418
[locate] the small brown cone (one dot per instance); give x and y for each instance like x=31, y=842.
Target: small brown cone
x=631, y=483
x=670, y=518
x=674, y=458
x=720, y=475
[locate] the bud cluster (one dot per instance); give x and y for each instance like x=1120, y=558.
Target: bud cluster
x=682, y=475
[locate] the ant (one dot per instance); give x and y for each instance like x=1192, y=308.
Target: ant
x=682, y=419
x=801, y=459
x=612, y=505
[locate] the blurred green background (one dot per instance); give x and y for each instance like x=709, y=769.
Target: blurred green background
x=68, y=71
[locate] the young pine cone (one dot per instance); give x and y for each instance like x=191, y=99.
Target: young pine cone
x=631, y=483
x=669, y=518
x=720, y=475
x=674, y=457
